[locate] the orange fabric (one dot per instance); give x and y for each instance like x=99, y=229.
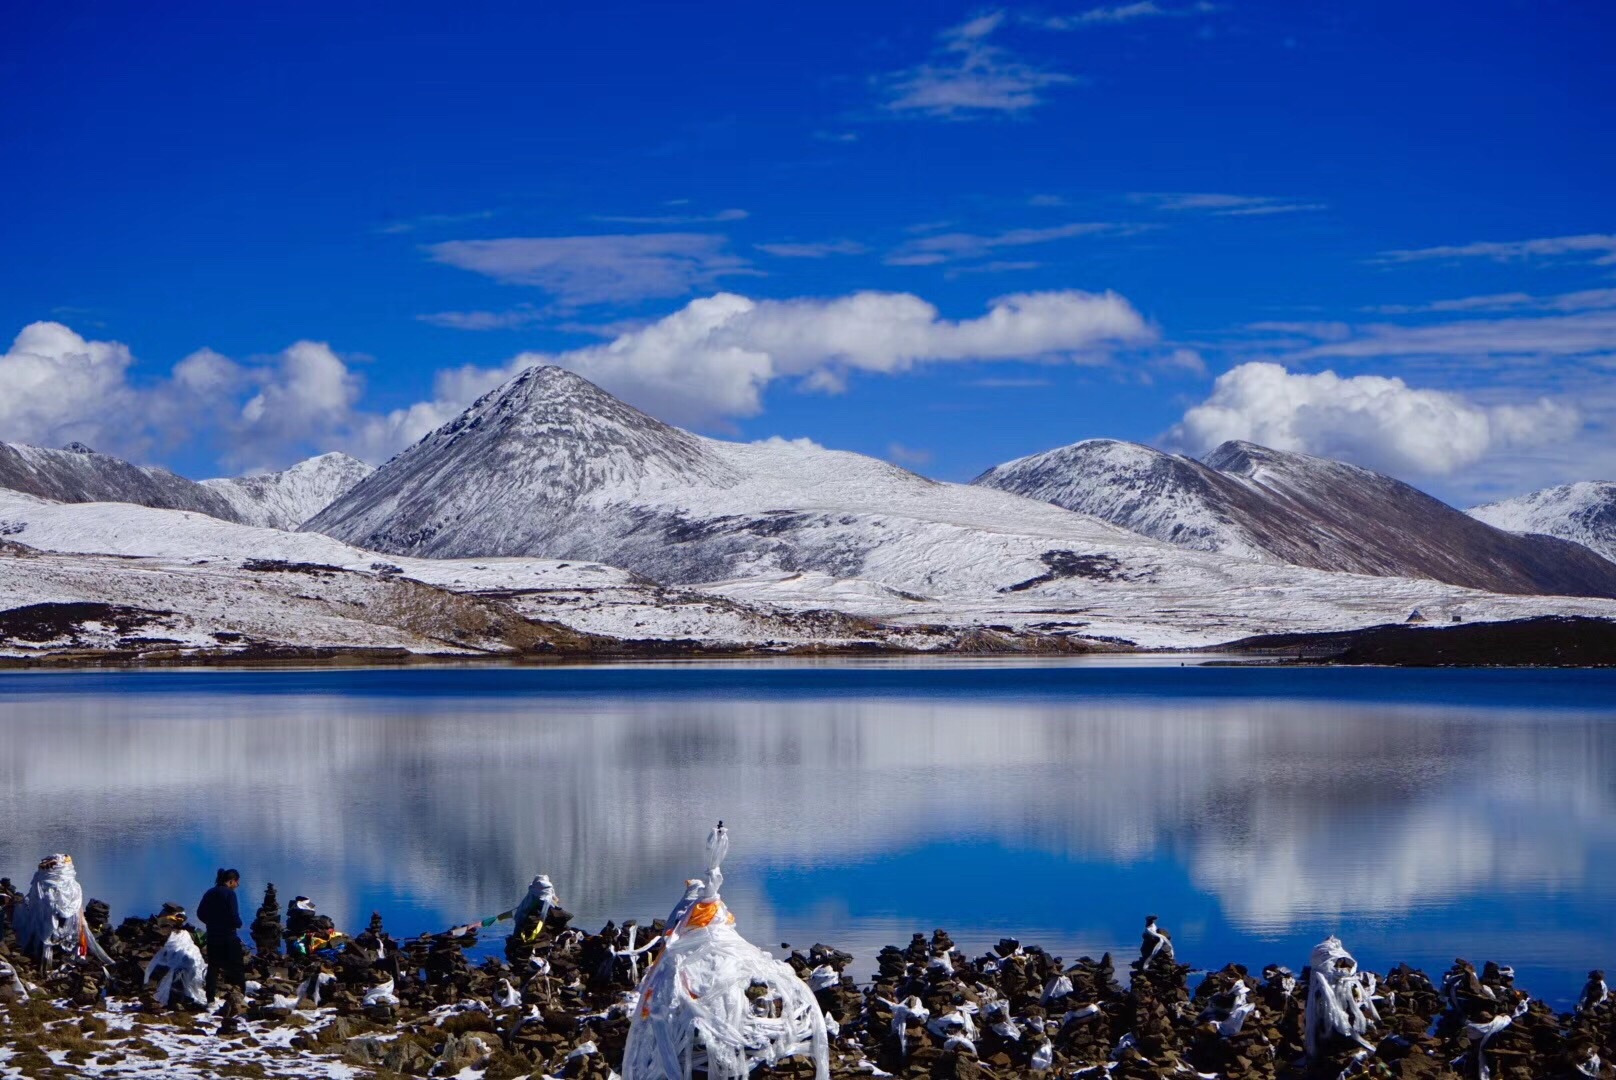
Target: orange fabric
x=702, y=915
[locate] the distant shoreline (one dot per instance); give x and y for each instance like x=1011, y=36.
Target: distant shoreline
x=1543, y=642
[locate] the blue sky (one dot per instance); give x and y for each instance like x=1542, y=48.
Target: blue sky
x=267, y=232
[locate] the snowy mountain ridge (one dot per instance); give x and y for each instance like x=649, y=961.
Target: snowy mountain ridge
x=549, y=463
x=286, y=499
x=1166, y=496
x=1584, y=513
x=1254, y=502
x=79, y=474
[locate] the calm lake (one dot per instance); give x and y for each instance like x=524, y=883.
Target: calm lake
x=1422, y=815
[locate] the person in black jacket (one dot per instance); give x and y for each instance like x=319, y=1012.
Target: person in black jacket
x=222, y=917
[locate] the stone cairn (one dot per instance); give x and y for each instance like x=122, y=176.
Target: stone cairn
x=439, y=1004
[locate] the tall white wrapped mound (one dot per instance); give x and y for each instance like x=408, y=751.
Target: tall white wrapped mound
x=50, y=923
x=183, y=968
x=715, y=1002
x=1340, y=999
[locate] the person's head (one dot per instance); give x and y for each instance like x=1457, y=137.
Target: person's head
x=228, y=878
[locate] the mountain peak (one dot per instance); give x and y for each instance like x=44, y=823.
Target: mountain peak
x=557, y=421
x=76, y=474
x=1584, y=513
x=1239, y=456
x=286, y=499
x=523, y=454
x=1264, y=464
x=1252, y=500
x=549, y=386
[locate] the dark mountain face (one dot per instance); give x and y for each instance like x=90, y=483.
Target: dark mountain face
x=79, y=474
x=1307, y=511
x=1392, y=528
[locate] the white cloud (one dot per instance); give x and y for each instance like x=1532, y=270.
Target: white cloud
x=510, y=319
x=1586, y=333
x=597, y=269
x=712, y=359
x=304, y=394
x=1118, y=13
x=709, y=361
x=715, y=218
x=1382, y=423
x=814, y=250
x=1010, y=384
x=1584, y=300
x=263, y=414
x=1183, y=360
x=426, y=221
x=948, y=247
x=1223, y=205
x=1602, y=246
x=967, y=75
x=908, y=456
x=995, y=266
x=60, y=388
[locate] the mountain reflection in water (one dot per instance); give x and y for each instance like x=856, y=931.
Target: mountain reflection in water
x=1476, y=822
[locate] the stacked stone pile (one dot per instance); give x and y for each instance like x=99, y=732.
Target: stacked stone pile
x=438, y=1005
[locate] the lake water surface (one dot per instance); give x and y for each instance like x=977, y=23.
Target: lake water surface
x=1422, y=815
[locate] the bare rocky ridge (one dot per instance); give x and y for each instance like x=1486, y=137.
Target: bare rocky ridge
x=1272, y=505
x=78, y=474
x=1583, y=513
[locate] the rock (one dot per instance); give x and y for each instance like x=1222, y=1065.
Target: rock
x=407, y=1057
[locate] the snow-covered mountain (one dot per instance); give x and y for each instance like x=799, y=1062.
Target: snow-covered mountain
x=1166, y=496
x=285, y=500
x=1584, y=513
x=550, y=464
x=78, y=474
x=1254, y=502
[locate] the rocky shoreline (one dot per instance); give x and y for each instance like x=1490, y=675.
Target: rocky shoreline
x=561, y=1001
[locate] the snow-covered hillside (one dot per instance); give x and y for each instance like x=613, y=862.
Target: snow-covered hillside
x=179, y=579
x=550, y=464
x=214, y=575
x=1166, y=496
x=79, y=474
x=1170, y=612
x=1583, y=513
x=1254, y=502
x=285, y=500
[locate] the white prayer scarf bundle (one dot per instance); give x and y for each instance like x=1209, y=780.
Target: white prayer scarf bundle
x=50, y=923
x=183, y=968
x=1339, y=999
x=714, y=1001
